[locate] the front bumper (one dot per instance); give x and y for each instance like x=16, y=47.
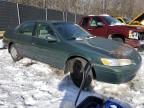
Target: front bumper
x=115, y=75
x=135, y=43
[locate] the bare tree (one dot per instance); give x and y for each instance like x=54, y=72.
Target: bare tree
x=114, y=7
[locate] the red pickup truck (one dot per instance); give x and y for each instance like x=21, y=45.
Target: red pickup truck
x=108, y=27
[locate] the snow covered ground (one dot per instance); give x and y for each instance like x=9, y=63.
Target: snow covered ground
x=36, y=85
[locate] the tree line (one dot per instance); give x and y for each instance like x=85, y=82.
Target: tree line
x=129, y=8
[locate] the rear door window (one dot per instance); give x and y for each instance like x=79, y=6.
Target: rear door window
x=27, y=29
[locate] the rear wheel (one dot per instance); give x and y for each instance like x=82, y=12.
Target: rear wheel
x=14, y=53
x=76, y=68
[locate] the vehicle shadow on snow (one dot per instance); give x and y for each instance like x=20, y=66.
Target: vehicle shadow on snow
x=70, y=93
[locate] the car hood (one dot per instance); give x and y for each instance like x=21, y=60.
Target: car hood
x=139, y=18
x=106, y=46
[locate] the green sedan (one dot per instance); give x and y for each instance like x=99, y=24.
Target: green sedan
x=69, y=47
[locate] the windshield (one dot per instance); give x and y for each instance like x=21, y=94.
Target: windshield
x=112, y=21
x=71, y=31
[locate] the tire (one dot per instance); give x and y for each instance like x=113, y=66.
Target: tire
x=76, y=67
x=118, y=39
x=14, y=53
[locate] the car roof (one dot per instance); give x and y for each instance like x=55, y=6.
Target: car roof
x=100, y=15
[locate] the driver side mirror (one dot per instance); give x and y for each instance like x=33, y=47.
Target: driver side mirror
x=51, y=38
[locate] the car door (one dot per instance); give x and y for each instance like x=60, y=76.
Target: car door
x=46, y=45
x=23, y=38
x=97, y=27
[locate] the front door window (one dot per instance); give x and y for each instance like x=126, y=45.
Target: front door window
x=27, y=29
x=44, y=31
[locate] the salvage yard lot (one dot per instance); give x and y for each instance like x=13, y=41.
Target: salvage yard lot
x=36, y=85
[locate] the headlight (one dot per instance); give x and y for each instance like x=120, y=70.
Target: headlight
x=116, y=62
x=133, y=35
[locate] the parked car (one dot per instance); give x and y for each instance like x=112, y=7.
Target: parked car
x=137, y=21
x=68, y=46
x=108, y=27
x=1, y=34
x=123, y=20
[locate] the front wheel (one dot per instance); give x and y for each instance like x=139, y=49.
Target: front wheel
x=14, y=53
x=76, y=69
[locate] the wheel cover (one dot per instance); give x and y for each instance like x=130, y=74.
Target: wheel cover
x=14, y=53
x=78, y=71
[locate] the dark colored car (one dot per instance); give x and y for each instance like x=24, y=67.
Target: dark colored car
x=68, y=46
x=108, y=27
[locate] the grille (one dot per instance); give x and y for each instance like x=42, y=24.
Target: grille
x=141, y=36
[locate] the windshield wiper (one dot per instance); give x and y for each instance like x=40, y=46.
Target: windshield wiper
x=71, y=38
